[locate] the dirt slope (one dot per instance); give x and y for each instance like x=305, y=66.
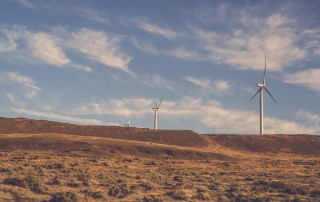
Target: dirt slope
x=170, y=137
x=295, y=144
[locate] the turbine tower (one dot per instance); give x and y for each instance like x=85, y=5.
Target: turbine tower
x=262, y=87
x=156, y=114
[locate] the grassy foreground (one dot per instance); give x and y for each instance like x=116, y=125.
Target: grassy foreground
x=53, y=177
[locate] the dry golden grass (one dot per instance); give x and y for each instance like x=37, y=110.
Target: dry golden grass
x=55, y=177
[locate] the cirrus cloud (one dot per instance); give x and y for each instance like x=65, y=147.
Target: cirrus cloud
x=101, y=47
x=46, y=48
x=308, y=78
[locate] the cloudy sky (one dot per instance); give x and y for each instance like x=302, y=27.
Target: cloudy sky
x=103, y=62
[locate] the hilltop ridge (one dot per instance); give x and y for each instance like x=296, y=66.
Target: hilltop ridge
x=29, y=134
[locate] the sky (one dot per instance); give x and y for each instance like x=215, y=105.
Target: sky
x=105, y=62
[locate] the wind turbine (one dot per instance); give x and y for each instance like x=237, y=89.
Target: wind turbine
x=156, y=114
x=262, y=87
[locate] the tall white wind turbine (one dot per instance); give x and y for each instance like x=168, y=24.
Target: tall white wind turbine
x=262, y=87
x=156, y=114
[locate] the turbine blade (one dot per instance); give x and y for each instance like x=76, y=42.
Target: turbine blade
x=160, y=101
x=155, y=103
x=256, y=93
x=270, y=94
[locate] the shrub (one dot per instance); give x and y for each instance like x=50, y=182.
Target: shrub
x=5, y=170
x=54, y=181
x=37, y=188
x=169, y=152
x=201, y=197
x=151, y=198
x=119, y=191
x=261, y=182
x=295, y=190
x=213, y=186
x=73, y=184
x=58, y=166
x=177, y=195
x=63, y=197
x=278, y=185
x=86, y=183
x=93, y=194
x=15, y=182
x=146, y=186
x=177, y=178
x=315, y=193
x=231, y=193
x=150, y=163
x=121, y=181
x=29, y=182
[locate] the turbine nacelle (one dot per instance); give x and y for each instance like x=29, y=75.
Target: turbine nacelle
x=260, y=85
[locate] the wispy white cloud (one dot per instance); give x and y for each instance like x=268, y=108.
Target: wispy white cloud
x=102, y=47
x=26, y=3
x=83, y=68
x=308, y=78
x=8, y=40
x=176, y=52
x=310, y=116
x=244, y=46
x=201, y=82
x=183, y=53
x=156, y=81
x=51, y=47
x=136, y=107
x=14, y=100
x=23, y=80
x=222, y=86
x=46, y=48
x=163, y=31
x=26, y=82
x=218, y=86
x=92, y=14
x=50, y=115
x=146, y=47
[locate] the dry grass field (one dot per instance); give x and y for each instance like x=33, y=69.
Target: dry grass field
x=49, y=161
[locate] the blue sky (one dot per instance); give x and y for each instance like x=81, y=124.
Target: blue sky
x=103, y=62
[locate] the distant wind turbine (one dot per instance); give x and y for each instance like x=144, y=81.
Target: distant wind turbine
x=262, y=87
x=156, y=114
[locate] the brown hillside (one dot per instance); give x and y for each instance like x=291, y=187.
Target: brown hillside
x=169, y=137
x=96, y=140
x=295, y=144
